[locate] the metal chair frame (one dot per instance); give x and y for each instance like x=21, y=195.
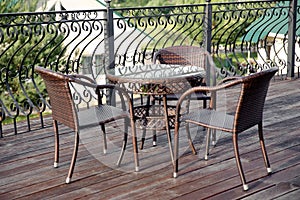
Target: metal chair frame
x=64, y=110
x=180, y=55
x=247, y=113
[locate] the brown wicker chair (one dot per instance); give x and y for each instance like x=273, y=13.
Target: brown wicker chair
x=181, y=55
x=185, y=55
x=64, y=110
x=248, y=112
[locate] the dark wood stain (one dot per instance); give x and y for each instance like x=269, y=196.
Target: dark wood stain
x=26, y=161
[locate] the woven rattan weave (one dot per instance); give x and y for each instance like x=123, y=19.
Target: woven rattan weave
x=248, y=112
x=65, y=112
x=156, y=80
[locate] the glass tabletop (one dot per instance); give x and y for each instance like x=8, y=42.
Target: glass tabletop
x=155, y=72
x=156, y=79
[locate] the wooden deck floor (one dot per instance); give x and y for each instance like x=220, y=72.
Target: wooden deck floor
x=26, y=161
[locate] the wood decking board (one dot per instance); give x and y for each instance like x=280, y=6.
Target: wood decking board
x=26, y=161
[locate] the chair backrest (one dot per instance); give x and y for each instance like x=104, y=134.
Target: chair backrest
x=188, y=55
x=62, y=105
x=181, y=55
x=251, y=102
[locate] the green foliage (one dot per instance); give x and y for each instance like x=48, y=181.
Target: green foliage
x=130, y=3
x=21, y=47
x=18, y=61
x=11, y=6
x=23, y=118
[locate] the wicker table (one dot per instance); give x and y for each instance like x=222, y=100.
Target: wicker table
x=152, y=80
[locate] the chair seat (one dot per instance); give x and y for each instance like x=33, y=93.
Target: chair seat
x=210, y=118
x=100, y=115
x=64, y=109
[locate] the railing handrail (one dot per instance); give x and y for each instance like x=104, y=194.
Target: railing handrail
x=88, y=41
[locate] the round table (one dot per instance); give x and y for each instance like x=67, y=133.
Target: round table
x=156, y=79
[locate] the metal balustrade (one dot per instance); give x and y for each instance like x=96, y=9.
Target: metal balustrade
x=241, y=36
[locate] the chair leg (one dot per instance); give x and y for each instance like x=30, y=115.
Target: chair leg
x=144, y=136
x=143, y=139
x=187, y=128
x=56, y=144
x=176, y=149
x=104, y=138
x=73, y=161
x=144, y=130
x=208, y=135
x=154, y=138
x=263, y=148
x=204, y=107
x=124, y=143
x=165, y=105
x=238, y=160
x=204, y=104
x=214, y=137
x=135, y=145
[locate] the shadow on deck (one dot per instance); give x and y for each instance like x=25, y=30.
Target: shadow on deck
x=26, y=162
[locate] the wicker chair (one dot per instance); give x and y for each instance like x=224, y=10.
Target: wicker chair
x=247, y=113
x=181, y=55
x=185, y=55
x=64, y=110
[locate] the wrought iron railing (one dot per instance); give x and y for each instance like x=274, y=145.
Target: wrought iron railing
x=241, y=36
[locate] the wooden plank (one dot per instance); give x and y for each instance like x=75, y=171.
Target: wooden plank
x=293, y=195
x=26, y=162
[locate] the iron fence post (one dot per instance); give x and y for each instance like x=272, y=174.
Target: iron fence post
x=109, y=37
x=291, y=40
x=109, y=48
x=210, y=78
x=207, y=30
x=1, y=134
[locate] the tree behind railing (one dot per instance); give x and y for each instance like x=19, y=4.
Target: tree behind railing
x=241, y=36
x=62, y=41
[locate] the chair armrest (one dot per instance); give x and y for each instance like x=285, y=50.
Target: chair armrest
x=206, y=89
x=111, y=86
x=123, y=93
x=88, y=82
x=80, y=76
x=82, y=80
x=209, y=89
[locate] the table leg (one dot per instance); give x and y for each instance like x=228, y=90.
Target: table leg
x=135, y=147
x=166, y=115
x=134, y=139
x=144, y=130
x=154, y=131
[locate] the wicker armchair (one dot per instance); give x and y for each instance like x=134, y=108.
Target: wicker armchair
x=248, y=112
x=64, y=110
x=182, y=55
x=185, y=55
